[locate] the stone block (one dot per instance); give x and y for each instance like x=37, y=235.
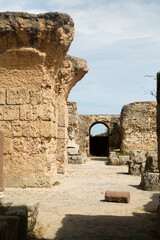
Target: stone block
x=72, y=147
x=25, y=129
x=112, y=154
x=26, y=112
x=44, y=112
x=47, y=129
x=10, y=113
x=120, y=197
x=62, y=133
x=8, y=145
x=138, y=156
x=85, y=158
x=75, y=159
x=152, y=162
x=18, y=96
x=13, y=223
x=6, y=128
x=134, y=169
x=113, y=161
x=22, y=213
x=150, y=181
x=35, y=97
x=32, y=215
x=123, y=160
x=2, y=96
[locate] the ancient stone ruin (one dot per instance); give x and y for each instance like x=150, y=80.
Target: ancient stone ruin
x=138, y=126
x=40, y=130
x=36, y=76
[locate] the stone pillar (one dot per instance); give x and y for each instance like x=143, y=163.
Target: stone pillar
x=158, y=136
x=36, y=76
x=158, y=117
x=1, y=163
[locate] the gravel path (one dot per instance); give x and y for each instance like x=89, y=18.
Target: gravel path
x=76, y=210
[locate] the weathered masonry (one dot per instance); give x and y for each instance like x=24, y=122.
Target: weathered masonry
x=36, y=76
x=138, y=126
x=158, y=136
x=85, y=122
x=133, y=129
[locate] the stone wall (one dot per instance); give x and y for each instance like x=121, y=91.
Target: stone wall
x=138, y=126
x=85, y=123
x=158, y=137
x=36, y=77
x=1, y=163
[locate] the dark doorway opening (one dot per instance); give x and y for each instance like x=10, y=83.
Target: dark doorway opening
x=99, y=140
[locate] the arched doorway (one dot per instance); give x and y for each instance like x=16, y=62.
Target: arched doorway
x=99, y=139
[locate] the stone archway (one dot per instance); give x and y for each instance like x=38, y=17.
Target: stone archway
x=99, y=143
x=85, y=122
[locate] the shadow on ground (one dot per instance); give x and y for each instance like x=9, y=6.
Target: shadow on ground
x=103, y=159
x=140, y=226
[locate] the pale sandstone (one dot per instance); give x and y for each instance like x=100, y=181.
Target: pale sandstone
x=138, y=126
x=36, y=76
x=85, y=122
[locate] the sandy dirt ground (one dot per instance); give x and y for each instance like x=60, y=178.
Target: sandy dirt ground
x=76, y=210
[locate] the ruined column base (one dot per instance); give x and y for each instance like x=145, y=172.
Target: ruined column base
x=150, y=181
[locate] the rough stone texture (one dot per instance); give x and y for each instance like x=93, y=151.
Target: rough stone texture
x=72, y=121
x=123, y=160
x=121, y=197
x=75, y=159
x=137, y=162
x=152, y=161
x=1, y=161
x=113, y=159
x=36, y=77
x=150, y=176
x=26, y=215
x=85, y=122
x=72, y=148
x=158, y=136
x=138, y=126
x=150, y=181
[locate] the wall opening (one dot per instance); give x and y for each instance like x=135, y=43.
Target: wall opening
x=99, y=140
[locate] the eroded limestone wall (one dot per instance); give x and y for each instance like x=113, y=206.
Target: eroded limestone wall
x=36, y=77
x=138, y=126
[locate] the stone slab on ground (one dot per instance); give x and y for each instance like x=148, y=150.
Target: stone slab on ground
x=120, y=197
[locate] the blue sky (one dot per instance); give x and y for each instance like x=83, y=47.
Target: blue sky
x=120, y=39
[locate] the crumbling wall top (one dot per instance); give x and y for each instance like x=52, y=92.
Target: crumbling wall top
x=51, y=33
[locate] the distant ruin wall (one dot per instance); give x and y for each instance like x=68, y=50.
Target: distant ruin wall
x=138, y=126
x=36, y=77
x=85, y=122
